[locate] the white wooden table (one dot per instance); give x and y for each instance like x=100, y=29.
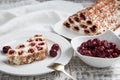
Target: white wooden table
x=75, y=67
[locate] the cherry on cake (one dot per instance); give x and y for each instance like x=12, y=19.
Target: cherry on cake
x=95, y=19
x=34, y=49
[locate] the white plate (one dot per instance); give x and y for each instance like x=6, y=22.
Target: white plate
x=61, y=30
x=39, y=67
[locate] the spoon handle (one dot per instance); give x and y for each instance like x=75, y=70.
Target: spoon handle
x=68, y=75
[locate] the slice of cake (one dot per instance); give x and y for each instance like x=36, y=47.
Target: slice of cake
x=96, y=19
x=34, y=49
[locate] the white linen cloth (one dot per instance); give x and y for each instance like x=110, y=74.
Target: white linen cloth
x=46, y=13
x=8, y=4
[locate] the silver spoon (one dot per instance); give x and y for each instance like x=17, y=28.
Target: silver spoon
x=60, y=67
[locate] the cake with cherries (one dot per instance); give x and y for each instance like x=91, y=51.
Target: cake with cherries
x=34, y=49
x=95, y=19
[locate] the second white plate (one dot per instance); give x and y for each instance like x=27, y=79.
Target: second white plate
x=61, y=30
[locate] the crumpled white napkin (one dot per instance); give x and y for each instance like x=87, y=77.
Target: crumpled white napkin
x=46, y=14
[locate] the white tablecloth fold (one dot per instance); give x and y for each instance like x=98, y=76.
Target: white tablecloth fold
x=46, y=13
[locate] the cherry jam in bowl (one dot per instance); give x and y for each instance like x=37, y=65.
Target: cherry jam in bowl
x=99, y=50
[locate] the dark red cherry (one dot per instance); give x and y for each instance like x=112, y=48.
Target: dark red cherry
x=31, y=50
x=93, y=28
x=87, y=31
x=38, y=39
x=117, y=50
x=20, y=52
x=115, y=55
x=113, y=45
x=96, y=40
x=76, y=28
x=107, y=46
x=32, y=44
x=30, y=40
x=103, y=55
x=70, y=20
x=84, y=44
x=110, y=51
x=103, y=42
x=90, y=45
x=41, y=43
x=89, y=22
x=53, y=53
x=94, y=43
x=37, y=35
x=21, y=46
x=82, y=16
x=94, y=53
x=110, y=56
x=39, y=48
x=5, y=49
x=67, y=25
x=55, y=46
x=83, y=26
x=11, y=52
x=101, y=48
x=87, y=52
x=76, y=19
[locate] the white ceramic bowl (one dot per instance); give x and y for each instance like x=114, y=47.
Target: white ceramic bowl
x=96, y=61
